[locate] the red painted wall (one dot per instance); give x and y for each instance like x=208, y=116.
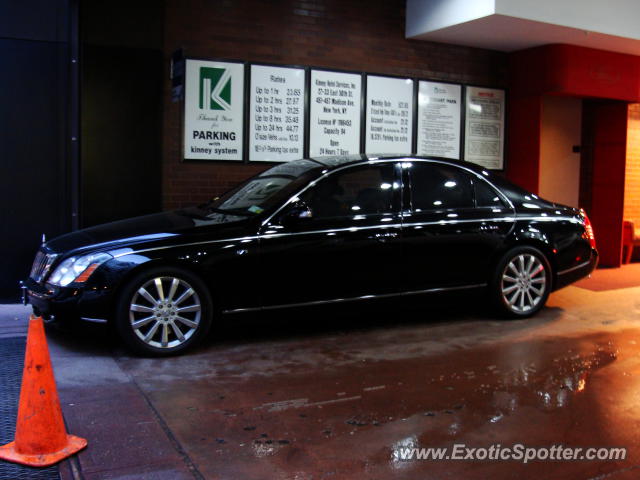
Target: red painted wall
x=581, y=72
x=575, y=71
x=609, y=161
x=523, y=165
x=558, y=70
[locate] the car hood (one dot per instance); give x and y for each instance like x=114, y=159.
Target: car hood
x=159, y=228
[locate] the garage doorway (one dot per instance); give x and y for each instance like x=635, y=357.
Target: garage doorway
x=560, y=138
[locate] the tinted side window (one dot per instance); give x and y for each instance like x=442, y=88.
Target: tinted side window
x=435, y=187
x=354, y=191
x=486, y=196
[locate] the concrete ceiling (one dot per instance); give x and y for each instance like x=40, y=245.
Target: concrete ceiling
x=510, y=25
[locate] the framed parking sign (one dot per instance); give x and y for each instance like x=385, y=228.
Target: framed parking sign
x=389, y=110
x=484, y=127
x=335, y=113
x=213, y=110
x=439, y=116
x=276, y=113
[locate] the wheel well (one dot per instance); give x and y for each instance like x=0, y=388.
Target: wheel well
x=545, y=249
x=155, y=263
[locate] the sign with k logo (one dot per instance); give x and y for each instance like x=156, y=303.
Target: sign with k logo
x=213, y=110
x=215, y=89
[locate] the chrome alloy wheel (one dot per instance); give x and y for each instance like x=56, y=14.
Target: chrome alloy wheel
x=524, y=283
x=165, y=312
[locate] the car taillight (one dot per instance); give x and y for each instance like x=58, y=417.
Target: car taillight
x=588, y=229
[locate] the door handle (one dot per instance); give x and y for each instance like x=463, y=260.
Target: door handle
x=383, y=237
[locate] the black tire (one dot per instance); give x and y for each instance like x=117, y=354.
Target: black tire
x=162, y=314
x=521, y=283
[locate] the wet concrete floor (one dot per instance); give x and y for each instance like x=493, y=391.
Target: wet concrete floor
x=331, y=393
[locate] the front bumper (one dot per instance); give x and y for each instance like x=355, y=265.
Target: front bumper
x=67, y=303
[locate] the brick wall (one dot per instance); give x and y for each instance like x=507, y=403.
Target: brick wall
x=360, y=35
x=632, y=172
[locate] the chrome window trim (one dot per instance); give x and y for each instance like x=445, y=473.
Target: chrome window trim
x=322, y=177
x=384, y=160
x=332, y=230
x=504, y=197
x=472, y=172
x=331, y=172
x=354, y=299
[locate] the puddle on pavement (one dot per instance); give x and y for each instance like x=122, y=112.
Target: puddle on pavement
x=545, y=391
x=461, y=390
x=490, y=384
x=545, y=383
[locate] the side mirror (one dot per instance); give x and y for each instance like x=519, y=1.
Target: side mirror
x=296, y=214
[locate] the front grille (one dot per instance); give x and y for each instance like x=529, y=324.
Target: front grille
x=41, y=265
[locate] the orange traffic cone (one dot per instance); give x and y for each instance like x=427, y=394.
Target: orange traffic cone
x=41, y=438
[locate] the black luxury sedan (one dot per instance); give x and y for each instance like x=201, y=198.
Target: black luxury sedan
x=314, y=231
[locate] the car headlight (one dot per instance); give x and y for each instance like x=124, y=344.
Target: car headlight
x=77, y=269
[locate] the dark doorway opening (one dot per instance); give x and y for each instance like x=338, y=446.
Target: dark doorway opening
x=121, y=110
x=121, y=133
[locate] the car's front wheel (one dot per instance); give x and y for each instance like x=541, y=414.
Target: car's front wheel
x=521, y=283
x=163, y=311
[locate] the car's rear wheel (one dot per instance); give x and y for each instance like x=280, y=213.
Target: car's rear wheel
x=163, y=311
x=521, y=283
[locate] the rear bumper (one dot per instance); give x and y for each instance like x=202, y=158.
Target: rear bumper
x=573, y=274
x=66, y=303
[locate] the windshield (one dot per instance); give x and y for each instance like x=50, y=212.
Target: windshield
x=261, y=192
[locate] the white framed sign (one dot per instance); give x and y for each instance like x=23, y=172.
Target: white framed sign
x=389, y=115
x=276, y=113
x=439, y=124
x=484, y=127
x=213, y=110
x=334, y=114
